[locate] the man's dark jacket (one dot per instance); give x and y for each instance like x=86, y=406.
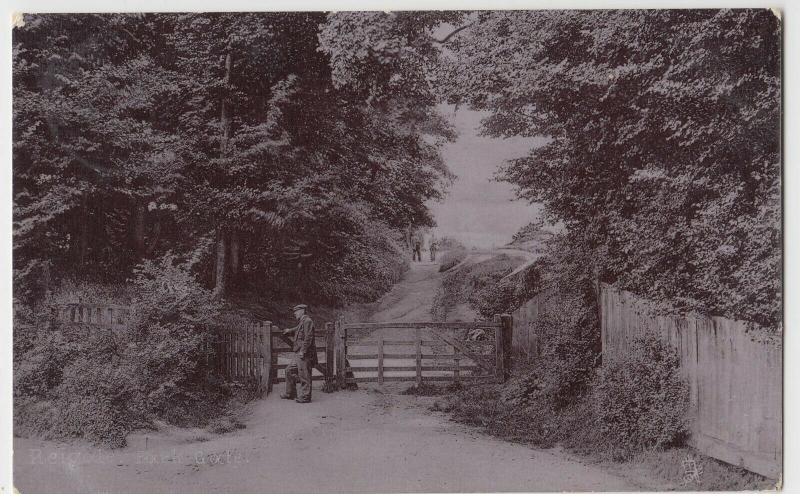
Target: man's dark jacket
x=303, y=344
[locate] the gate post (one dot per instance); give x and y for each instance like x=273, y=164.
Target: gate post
x=499, y=347
x=507, y=322
x=503, y=334
x=266, y=354
x=380, y=361
x=273, y=358
x=341, y=345
x=418, y=351
x=329, y=354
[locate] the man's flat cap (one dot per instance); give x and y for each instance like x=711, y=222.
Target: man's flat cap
x=300, y=307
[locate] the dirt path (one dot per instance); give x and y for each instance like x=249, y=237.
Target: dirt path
x=359, y=441
x=409, y=300
x=370, y=440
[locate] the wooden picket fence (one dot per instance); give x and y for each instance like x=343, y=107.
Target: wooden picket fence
x=242, y=353
x=101, y=315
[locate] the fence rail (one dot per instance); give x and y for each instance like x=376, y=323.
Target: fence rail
x=422, y=324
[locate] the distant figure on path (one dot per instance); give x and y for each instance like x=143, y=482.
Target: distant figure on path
x=434, y=246
x=417, y=255
x=304, y=358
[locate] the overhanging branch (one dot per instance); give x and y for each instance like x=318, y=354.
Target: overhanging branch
x=452, y=33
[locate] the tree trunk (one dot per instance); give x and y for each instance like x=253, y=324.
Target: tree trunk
x=139, y=214
x=155, y=237
x=235, y=260
x=82, y=240
x=220, y=267
x=221, y=264
x=225, y=118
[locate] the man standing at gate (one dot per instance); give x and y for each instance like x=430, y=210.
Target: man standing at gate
x=304, y=358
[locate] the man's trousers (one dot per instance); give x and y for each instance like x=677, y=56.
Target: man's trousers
x=298, y=378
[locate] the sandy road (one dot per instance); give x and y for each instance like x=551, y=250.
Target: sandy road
x=370, y=440
x=347, y=442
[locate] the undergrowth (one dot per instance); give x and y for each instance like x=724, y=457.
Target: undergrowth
x=480, y=286
x=427, y=389
x=632, y=410
x=80, y=381
x=616, y=411
x=452, y=258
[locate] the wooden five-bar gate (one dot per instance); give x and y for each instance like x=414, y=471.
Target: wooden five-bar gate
x=423, y=351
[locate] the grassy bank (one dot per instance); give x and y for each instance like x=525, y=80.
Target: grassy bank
x=488, y=409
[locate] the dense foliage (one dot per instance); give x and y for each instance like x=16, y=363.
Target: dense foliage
x=663, y=146
x=559, y=393
x=233, y=139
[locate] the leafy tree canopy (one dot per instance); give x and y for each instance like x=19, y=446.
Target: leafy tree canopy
x=664, y=149
x=226, y=137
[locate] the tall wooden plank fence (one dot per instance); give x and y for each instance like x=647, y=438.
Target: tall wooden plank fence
x=526, y=339
x=735, y=377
